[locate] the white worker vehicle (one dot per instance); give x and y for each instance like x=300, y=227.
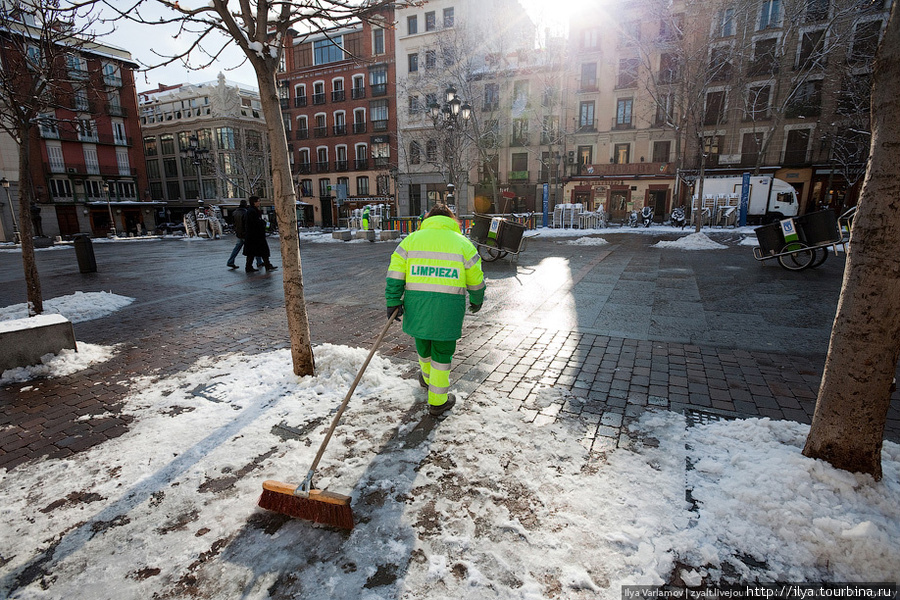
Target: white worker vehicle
x=771, y=199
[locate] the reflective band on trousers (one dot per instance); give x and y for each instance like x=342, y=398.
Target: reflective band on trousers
x=414, y=286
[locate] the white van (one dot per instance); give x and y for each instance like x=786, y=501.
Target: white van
x=771, y=199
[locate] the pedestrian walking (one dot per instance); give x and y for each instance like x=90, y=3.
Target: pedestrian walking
x=365, y=218
x=428, y=278
x=255, y=237
x=239, y=217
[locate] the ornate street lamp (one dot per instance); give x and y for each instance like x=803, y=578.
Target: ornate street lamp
x=5, y=183
x=112, y=221
x=197, y=156
x=451, y=116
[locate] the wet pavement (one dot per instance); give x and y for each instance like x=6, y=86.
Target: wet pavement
x=590, y=334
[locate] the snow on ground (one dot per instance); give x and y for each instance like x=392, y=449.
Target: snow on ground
x=65, y=363
x=694, y=241
x=586, y=241
x=77, y=307
x=478, y=505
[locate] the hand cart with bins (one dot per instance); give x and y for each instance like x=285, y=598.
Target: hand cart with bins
x=496, y=237
x=801, y=242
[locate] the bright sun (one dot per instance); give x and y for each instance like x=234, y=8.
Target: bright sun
x=556, y=13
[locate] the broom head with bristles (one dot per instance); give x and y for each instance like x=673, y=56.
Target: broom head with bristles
x=319, y=506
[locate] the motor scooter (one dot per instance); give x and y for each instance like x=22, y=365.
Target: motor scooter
x=632, y=219
x=678, y=218
x=647, y=216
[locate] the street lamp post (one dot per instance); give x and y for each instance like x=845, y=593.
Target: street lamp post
x=112, y=220
x=450, y=116
x=5, y=183
x=197, y=156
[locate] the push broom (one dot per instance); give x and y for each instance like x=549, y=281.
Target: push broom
x=304, y=502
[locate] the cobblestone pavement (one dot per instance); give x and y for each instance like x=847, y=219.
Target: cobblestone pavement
x=589, y=334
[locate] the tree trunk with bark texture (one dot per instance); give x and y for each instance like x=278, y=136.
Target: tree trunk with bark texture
x=851, y=409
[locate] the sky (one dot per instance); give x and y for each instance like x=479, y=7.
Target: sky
x=490, y=502
x=146, y=43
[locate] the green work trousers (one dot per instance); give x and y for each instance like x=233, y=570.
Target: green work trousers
x=434, y=360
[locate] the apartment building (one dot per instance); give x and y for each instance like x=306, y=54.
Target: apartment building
x=728, y=86
x=338, y=102
x=86, y=169
x=453, y=46
x=204, y=142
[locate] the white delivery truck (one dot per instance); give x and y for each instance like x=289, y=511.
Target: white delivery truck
x=771, y=199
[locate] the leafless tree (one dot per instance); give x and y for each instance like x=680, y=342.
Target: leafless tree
x=38, y=41
x=260, y=28
x=851, y=409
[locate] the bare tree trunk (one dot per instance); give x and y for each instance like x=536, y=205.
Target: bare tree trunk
x=286, y=209
x=26, y=231
x=851, y=410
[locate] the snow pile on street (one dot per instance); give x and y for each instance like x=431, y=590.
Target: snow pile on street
x=59, y=365
x=480, y=504
x=694, y=241
x=77, y=307
x=586, y=241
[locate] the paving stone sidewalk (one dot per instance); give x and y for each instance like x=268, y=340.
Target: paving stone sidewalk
x=554, y=360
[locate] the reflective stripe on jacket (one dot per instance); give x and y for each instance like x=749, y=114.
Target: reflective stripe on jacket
x=430, y=273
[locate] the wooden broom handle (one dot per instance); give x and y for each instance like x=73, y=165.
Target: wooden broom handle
x=346, y=401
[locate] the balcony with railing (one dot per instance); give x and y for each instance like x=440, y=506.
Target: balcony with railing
x=622, y=124
x=361, y=164
x=380, y=125
x=518, y=176
x=322, y=166
x=112, y=80
x=358, y=93
x=342, y=165
x=116, y=110
x=320, y=132
x=338, y=96
x=340, y=129
x=379, y=89
x=303, y=168
x=79, y=74
x=794, y=158
x=302, y=134
x=359, y=127
x=299, y=101
x=318, y=98
x=285, y=103
x=586, y=125
x=519, y=140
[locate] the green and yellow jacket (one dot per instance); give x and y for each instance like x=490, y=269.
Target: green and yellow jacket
x=430, y=272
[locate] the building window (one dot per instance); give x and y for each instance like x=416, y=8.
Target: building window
x=448, y=17
x=412, y=25
x=816, y=10
x=55, y=156
x=665, y=110
x=520, y=132
x=413, y=62
x=757, y=103
x=726, y=22
x=806, y=101
x=362, y=186
x=624, y=108
x=765, y=57
x=379, y=111
x=430, y=22
x=491, y=96
x=628, y=72
x=324, y=188
x=812, y=48
x=378, y=41
x=751, y=145
x=415, y=153
x=668, y=68
x=622, y=153
x=769, y=14
x=661, y=151
x=715, y=108
x=585, y=155
x=586, y=120
x=431, y=151
x=590, y=38
x=865, y=42
x=520, y=94
x=430, y=59
x=519, y=162
x=226, y=138
x=796, y=146
x=150, y=146
x=589, y=77
x=378, y=81
x=170, y=168
x=328, y=50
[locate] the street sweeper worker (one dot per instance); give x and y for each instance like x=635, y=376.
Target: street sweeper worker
x=431, y=272
x=365, y=218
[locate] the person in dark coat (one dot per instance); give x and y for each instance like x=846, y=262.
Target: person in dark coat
x=239, y=216
x=255, y=237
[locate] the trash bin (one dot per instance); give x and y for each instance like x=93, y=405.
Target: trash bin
x=480, y=228
x=770, y=237
x=510, y=235
x=820, y=227
x=84, y=252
